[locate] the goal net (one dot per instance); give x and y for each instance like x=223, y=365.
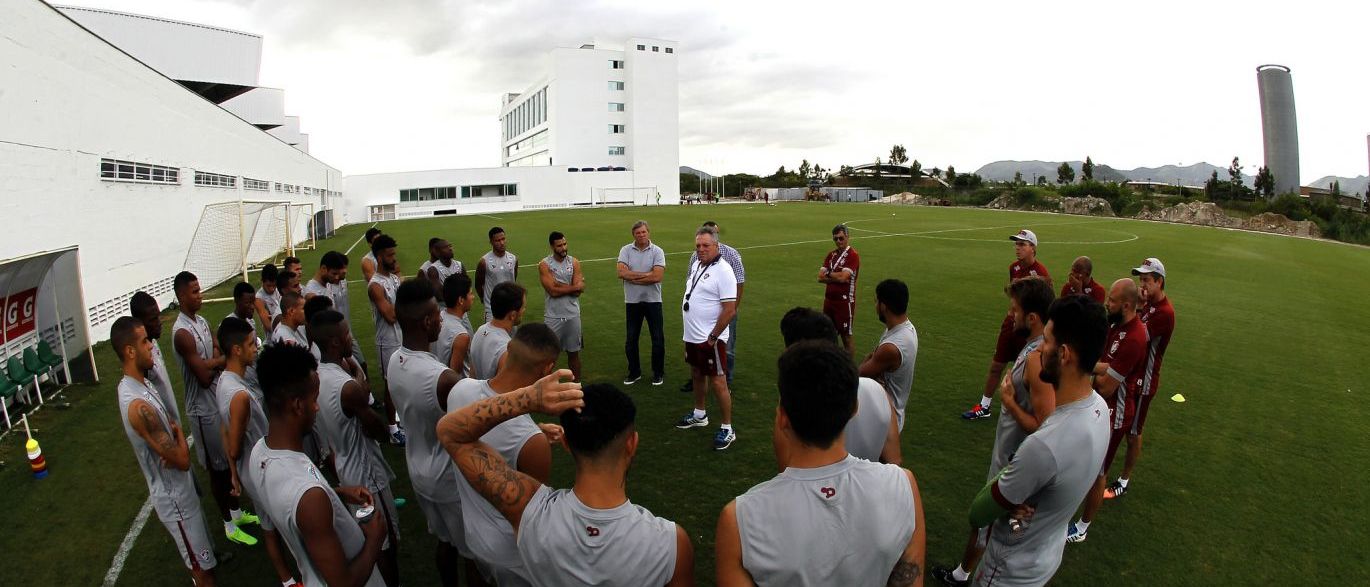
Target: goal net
x=233, y=237
x=638, y=196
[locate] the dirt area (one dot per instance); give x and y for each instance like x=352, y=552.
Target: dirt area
x=1209, y=214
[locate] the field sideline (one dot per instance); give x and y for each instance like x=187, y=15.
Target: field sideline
x=1238, y=485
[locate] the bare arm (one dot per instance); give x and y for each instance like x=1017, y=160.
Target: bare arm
x=651, y=277
x=840, y=276
x=728, y=550
x=377, y=295
x=202, y=370
x=725, y=316
x=171, y=446
x=368, y=269
x=263, y=315
x=886, y=358
x=238, y=412
x=461, y=346
x=1043, y=396
x=314, y=517
x=554, y=288
x=684, y=575
x=739, y=293
x=432, y=275
x=446, y=381
x=356, y=403
x=535, y=458
x=626, y=274
x=1104, y=383
x=892, y=452
x=908, y=571
x=577, y=277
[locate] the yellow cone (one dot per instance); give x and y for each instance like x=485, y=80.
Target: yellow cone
x=1177, y=398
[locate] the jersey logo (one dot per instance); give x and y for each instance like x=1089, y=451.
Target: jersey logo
x=1114, y=349
x=591, y=531
x=828, y=492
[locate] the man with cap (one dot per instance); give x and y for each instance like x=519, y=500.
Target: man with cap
x=1081, y=282
x=1010, y=343
x=1159, y=317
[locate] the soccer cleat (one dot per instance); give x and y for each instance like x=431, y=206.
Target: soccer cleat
x=944, y=574
x=658, y=379
x=631, y=379
x=237, y=535
x=724, y=438
x=400, y=501
x=398, y=438
x=690, y=421
x=1115, y=489
x=976, y=412
x=1075, y=534
x=247, y=518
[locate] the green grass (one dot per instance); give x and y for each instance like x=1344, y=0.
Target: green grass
x=1258, y=478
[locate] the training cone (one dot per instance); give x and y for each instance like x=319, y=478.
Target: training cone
x=1177, y=398
x=36, y=461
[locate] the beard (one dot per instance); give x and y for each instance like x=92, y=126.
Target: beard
x=1115, y=319
x=390, y=266
x=1051, y=369
x=880, y=315
x=1022, y=331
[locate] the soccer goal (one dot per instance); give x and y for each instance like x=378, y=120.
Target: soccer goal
x=236, y=236
x=638, y=196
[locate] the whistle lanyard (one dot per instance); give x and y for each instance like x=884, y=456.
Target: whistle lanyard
x=838, y=261
x=703, y=269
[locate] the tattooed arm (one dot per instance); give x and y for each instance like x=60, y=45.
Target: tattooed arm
x=460, y=432
x=171, y=446
x=908, y=570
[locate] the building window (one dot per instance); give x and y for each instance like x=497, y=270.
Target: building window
x=215, y=180
x=616, y=86
x=615, y=150
x=670, y=50
x=616, y=106
x=641, y=47
x=616, y=64
x=511, y=189
x=256, y=185
x=656, y=49
x=116, y=170
x=616, y=129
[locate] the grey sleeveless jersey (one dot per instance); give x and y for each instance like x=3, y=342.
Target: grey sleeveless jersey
x=272, y=301
x=843, y=524
x=160, y=380
x=256, y=330
x=488, y=533
x=444, y=271
x=866, y=431
x=497, y=270
x=387, y=334
x=565, y=542
x=452, y=327
x=314, y=288
x=357, y=458
x=284, y=476
x=199, y=400
x=171, y=491
x=413, y=380
x=338, y=293
x=898, y=382
x=562, y=272
x=1009, y=435
x=225, y=390
x=488, y=344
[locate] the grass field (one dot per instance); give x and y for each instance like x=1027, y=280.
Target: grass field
x=1257, y=479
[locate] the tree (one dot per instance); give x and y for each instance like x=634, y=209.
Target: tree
x=916, y=169
x=935, y=172
x=1234, y=172
x=1041, y=180
x=951, y=174
x=877, y=166
x=844, y=170
x=1065, y=174
x=1265, y=182
x=1211, y=187
x=1087, y=169
x=1336, y=188
x=689, y=183
x=898, y=155
x=805, y=169
x=1017, y=178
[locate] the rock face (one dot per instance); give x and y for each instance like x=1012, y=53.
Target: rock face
x=913, y=199
x=1209, y=214
x=1086, y=206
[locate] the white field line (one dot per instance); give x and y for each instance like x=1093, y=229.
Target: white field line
x=359, y=240
x=120, y=557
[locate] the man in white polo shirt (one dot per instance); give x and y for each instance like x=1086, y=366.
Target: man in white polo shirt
x=708, y=306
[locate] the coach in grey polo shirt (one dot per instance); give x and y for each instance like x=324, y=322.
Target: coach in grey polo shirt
x=641, y=266
x=734, y=260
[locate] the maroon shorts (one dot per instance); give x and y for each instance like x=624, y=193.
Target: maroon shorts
x=840, y=312
x=1114, y=439
x=1008, y=346
x=1139, y=415
x=708, y=359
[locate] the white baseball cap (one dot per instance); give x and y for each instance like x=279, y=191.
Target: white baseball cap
x=1150, y=265
x=1026, y=236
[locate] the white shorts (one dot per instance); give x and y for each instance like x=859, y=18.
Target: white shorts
x=190, y=536
x=568, y=332
x=445, y=523
x=209, y=444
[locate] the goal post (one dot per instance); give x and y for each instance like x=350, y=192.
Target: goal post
x=634, y=196
x=235, y=236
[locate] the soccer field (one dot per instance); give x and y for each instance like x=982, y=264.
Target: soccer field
x=1242, y=484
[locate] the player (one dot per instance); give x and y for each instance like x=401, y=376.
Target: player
x=495, y=267
x=838, y=274
x=290, y=328
x=488, y=344
x=1008, y=344
x=144, y=307
x=1081, y=282
x=161, y=450
x=245, y=305
x=641, y=266
x=781, y=531
x=707, y=307
x=440, y=264
x=381, y=291
x=369, y=259
x=1159, y=317
x=293, y=265
x=453, y=346
x=892, y=362
x=268, y=298
x=563, y=283
x=288, y=282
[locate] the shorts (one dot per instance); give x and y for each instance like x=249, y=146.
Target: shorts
x=385, y=352
x=706, y=358
x=190, y=536
x=840, y=312
x=209, y=443
x=1139, y=415
x=1114, y=439
x=568, y=332
x=445, y=523
x=1008, y=346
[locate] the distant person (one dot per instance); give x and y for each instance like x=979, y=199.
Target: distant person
x=161, y=450
x=268, y=298
x=563, y=282
x=369, y=259
x=1081, y=282
x=781, y=532
x=381, y=291
x=440, y=264
x=490, y=341
x=453, y=346
x=892, y=362
x=1159, y=317
x=706, y=309
x=291, y=327
x=331, y=280
x=734, y=260
x=838, y=274
x=245, y=305
x=495, y=267
x=329, y=545
x=321, y=284
x=144, y=307
x=1006, y=348
x=590, y=534
x=641, y=265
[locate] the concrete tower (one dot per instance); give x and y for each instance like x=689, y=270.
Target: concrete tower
x=1279, y=126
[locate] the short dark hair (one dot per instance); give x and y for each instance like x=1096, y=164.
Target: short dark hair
x=894, y=294
x=1080, y=323
x=371, y=234
x=454, y=288
x=289, y=299
x=554, y=237
x=326, y=325
x=1034, y=296
x=505, y=298
x=817, y=390
x=243, y=289
x=842, y=228
x=382, y=243
x=494, y=230
x=284, y=277
x=291, y=261
x=121, y=334
x=141, y=302
x=283, y=371
x=433, y=242
x=608, y=414
x=315, y=305
x=533, y=344
x=269, y=273
x=181, y=280
x=333, y=260
x=801, y=323
x=233, y=331
x=411, y=299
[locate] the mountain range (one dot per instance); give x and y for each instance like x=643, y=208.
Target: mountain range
x=1189, y=175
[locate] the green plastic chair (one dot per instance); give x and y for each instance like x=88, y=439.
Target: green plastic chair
x=7, y=391
x=34, y=364
x=21, y=377
x=46, y=355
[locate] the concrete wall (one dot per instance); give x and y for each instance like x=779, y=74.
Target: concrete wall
x=654, y=114
x=264, y=107
x=1279, y=125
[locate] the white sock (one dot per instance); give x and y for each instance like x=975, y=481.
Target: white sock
x=984, y=402
x=289, y=583
x=1082, y=525
x=394, y=428
x=235, y=514
x=1122, y=481
x=960, y=574
x=728, y=427
x=230, y=528
x=700, y=414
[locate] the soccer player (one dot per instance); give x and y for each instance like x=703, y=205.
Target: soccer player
x=838, y=274
x=1006, y=348
x=453, y=346
x=268, y=298
x=440, y=264
x=321, y=284
x=331, y=280
x=641, y=265
x=1029, y=503
x=328, y=543
x=200, y=360
x=1026, y=400
x=381, y=291
x=1159, y=317
x=707, y=307
x=892, y=361
x=1118, y=378
x=144, y=307
x=521, y=443
x=495, y=267
x=873, y=433
x=352, y=429
x=161, y=450
x=290, y=329
x=288, y=282
x=243, y=423
x=420, y=384
x=590, y=534
x=488, y=344
x=293, y=265
x=1081, y=282
x=780, y=532
x=734, y=260
x=563, y=282
x=245, y=304
x=369, y=259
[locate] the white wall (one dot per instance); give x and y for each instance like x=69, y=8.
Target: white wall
x=654, y=108
x=70, y=99
x=181, y=50
x=260, y=106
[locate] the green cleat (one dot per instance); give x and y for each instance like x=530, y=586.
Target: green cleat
x=240, y=537
x=247, y=518
x=399, y=502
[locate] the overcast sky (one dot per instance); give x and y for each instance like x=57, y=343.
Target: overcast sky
x=415, y=84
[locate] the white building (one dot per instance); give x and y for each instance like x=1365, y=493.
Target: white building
x=113, y=140
x=600, y=126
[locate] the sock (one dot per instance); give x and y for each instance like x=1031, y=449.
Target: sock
x=394, y=428
x=960, y=574
x=235, y=514
x=728, y=427
x=1122, y=481
x=984, y=402
x=1082, y=525
x=700, y=414
x=289, y=583
x=230, y=528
